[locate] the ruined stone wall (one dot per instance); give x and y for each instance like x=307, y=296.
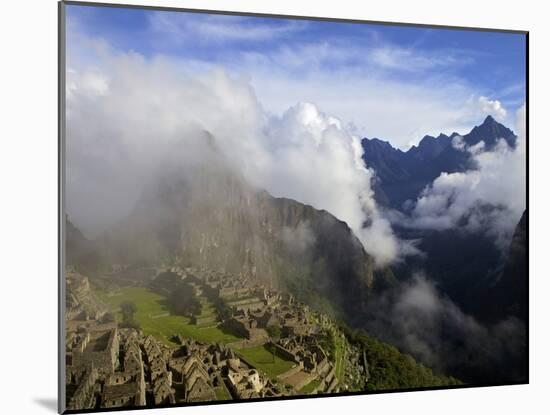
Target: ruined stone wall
x=284, y=352
x=212, y=318
x=237, y=326
x=291, y=371
x=104, y=361
x=84, y=394
x=246, y=343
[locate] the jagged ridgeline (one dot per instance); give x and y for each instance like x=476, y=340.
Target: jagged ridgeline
x=402, y=175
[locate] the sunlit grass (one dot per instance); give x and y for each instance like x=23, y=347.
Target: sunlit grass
x=310, y=387
x=155, y=319
x=262, y=358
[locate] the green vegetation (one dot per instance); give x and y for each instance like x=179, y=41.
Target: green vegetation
x=310, y=387
x=274, y=331
x=302, y=283
x=384, y=279
x=263, y=358
x=128, y=313
x=183, y=302
x=391, y=369
x=153, y=315
x=335, y=346
x=339, y=355
x=388, y=367
x=207, y=310
x=222, y=394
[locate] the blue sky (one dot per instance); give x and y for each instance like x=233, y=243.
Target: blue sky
x=397, y=83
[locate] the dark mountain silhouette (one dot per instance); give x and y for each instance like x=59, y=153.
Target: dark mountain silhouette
x=490, y=131
x=401, y=176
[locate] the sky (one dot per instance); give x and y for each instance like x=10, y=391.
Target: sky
x=396, y=83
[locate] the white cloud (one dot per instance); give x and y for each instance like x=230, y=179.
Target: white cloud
x=370, y=83
x=316, y=161
x=398, y=111
x=121, y=130
x=401, y=59
x=92, y=82
x=346, y=82
x=491, y=198
x=492, y=107
x=202, y=28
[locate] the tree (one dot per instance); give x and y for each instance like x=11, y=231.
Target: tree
x=108, y=318
x=184, y=302
x=274, y=331
x=128, y=310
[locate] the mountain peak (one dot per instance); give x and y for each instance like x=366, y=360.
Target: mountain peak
x=376, y=144
x=489, y=120
x=490, y=131
x=379, y=141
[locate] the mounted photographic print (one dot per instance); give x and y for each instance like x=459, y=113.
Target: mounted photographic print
x=258, y=207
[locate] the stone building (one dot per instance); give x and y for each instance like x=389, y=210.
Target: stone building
x=83, y=387
x=245, y=383
x=126, y=387
x=246, y=326
x=193, y=374
x=162, y=389
x=120, y=395
x=99, y=347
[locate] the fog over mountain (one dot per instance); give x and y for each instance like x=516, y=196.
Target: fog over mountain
x=129, y=114
x=204, y=214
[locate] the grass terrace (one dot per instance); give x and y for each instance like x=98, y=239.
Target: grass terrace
x=310, y=387
x=262, y=358
x=339, y=358
x=155, y=319
x=222, y=394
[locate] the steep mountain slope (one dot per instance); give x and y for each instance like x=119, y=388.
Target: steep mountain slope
x=401, y=176
x=204, y=214
x=80, y=251
x=462, y=264
x=508, y=294
x=490, y=131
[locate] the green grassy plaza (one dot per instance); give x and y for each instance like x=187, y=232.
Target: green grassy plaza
x=262, y=358
x=155, y=319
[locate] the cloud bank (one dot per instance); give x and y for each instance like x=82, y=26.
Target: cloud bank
x=127, y=114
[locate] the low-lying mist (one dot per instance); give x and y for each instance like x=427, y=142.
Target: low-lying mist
x=418, y=319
